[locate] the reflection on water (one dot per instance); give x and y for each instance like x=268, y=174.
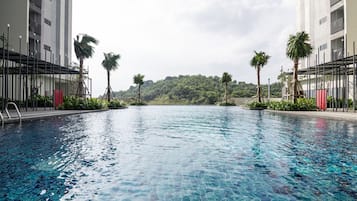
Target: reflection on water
x=179, y=153
x=28, y=164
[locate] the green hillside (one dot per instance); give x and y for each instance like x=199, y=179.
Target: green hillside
x=192, y=89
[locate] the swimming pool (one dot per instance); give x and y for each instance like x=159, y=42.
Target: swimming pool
x=179, y=153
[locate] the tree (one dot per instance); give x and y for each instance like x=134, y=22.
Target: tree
x=259, y=60
x=139, y=80
x=110, y=63
x=226, y=78
x=84, y=50
x=298, y=47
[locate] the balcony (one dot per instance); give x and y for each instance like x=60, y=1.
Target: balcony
x=333, y=2
x=337, y=54
x=34, y=7
x=337, y=20
x=34, y=23
x=35, y=48
x=35, y=29
x=337, y=49
x=337, y=25
x=37, y=3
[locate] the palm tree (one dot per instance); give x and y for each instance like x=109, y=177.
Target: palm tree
x=110, y=63
x=259, y=60
x=138, y=79
x=84, y=50
x=226, y=78
x=298, y=48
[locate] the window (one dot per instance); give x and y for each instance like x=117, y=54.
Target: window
x=323, y=47
x=323, y=20
x=46, y=47
x=337, y=48
x=48, y=22
x=337, y=20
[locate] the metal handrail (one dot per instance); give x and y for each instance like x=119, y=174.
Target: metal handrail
x=2, y=120
x=16, y=108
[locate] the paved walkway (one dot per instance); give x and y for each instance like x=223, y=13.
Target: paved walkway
x=41, y=113
x=345, y=116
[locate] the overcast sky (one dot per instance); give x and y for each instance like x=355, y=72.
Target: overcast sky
x=160, y=38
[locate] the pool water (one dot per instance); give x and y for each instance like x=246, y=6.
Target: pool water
x=179, y=153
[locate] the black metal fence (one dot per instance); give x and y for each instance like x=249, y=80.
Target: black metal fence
x=30, y=81
x=338, y=77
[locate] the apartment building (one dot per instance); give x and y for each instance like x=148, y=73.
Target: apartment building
x=46, y=25
x=332, y=26
x=39, y=31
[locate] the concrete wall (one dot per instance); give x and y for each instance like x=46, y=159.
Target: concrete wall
x=330, y=85
x=15, y=13
x=48, y=36
x=61, y=37
x=314, y=18
x=58, y=35
x=68, y=33
x=351, y=25
x=322, y=30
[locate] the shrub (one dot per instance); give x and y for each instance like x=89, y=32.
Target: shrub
x=339, y=103
x=74, y=103
x=95, y=104
x=227, y=104
x=302, y=104
x=115, y=104
x=43, y=101
x=257, y=105
x=138, y=103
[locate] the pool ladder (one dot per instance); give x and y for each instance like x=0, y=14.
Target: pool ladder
x=8, y=113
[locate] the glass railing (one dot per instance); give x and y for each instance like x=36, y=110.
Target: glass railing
x=337, y=25
x=337, y=54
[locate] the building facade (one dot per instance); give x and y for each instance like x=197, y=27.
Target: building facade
x=39, y=31
x=46, y=25
x=332, y=27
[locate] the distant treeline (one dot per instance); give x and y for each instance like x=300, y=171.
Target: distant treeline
x=193, y=89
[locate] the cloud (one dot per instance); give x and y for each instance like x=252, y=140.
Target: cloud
x=233, y=17
x=160, y=38
x=244, y=26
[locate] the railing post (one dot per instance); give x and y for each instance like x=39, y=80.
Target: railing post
x=354, y=66
x=2, y=120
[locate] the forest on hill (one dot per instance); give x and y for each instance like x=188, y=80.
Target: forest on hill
x=193, y=89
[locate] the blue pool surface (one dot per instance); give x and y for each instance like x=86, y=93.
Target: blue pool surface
x=179, y=153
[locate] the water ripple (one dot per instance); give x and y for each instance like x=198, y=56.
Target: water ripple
x=179, y=153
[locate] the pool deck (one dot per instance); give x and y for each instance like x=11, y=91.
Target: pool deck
x=41, y=114
x=344, y=116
